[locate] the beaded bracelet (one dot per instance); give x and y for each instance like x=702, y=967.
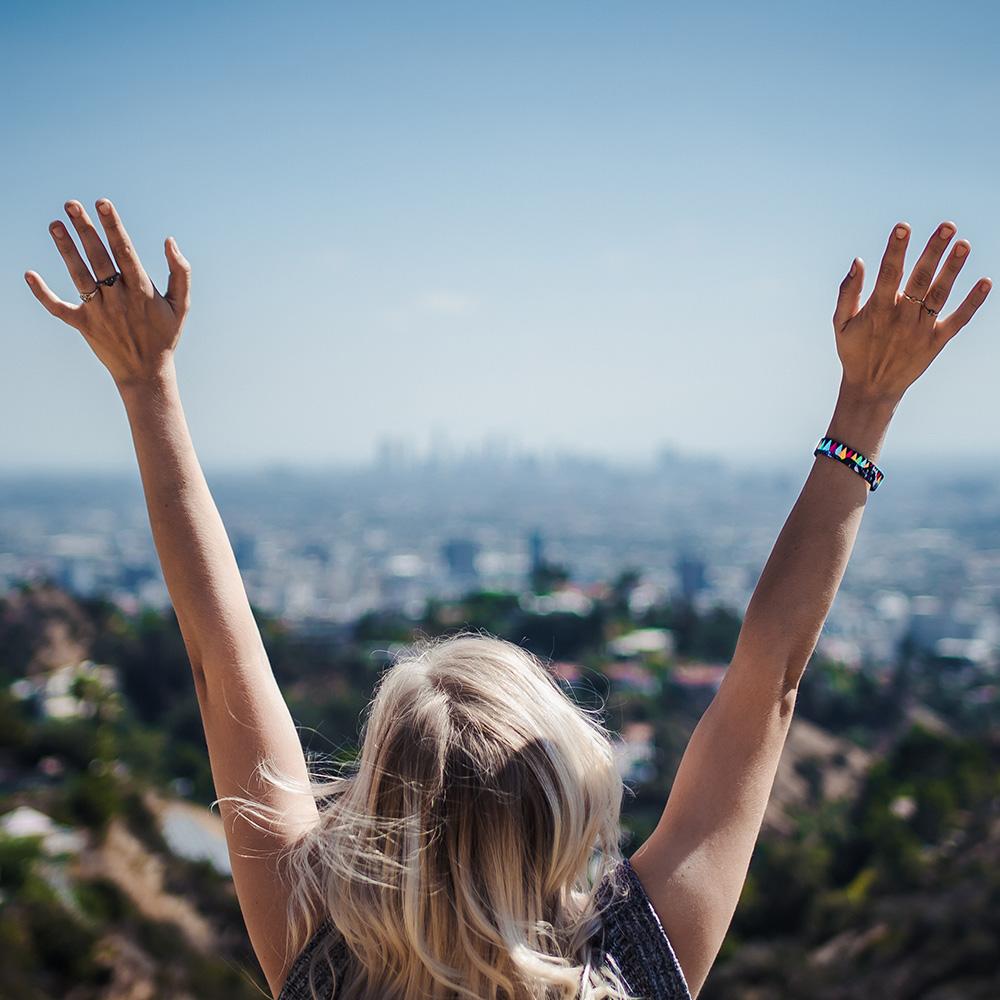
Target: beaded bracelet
x=864, y=467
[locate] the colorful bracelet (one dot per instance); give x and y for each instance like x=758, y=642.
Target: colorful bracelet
x=864, y=467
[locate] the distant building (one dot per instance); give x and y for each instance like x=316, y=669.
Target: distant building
x=55, y=839
x=194, y=833
x=642, y=641
x=934, y=629
x=393, y=454
x=970, y=650
x=692, y=577
x=536, y=551
x=59, y=693
x=460, y=556
x=842, y=650
x=645, y=596
x=568, y=600
x=699, y=675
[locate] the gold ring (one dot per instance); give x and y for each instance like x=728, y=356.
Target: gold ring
x=87, y=296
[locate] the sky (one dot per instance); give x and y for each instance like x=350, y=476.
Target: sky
x=588, y=226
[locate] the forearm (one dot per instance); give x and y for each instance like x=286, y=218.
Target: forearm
x=246, y=720
x=800, y=580
x=195, y=554
x=695, y=863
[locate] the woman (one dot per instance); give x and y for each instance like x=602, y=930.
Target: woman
x=455, y=858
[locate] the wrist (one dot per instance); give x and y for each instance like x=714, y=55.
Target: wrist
x=861, y=418
x=859, y=394
x=151, y=385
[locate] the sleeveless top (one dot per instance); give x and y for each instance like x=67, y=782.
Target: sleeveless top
x=632, y=938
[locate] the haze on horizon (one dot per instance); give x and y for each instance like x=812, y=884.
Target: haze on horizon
x=572, y=226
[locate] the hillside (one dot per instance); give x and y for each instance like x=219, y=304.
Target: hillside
x=877, y=873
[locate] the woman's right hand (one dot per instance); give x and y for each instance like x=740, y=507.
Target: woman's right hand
x=131, y=328
x=887, y=344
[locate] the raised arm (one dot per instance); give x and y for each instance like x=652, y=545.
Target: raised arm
x=133, y=330
x=695, y=863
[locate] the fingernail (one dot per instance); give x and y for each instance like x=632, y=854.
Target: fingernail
x=104, y=207
x=961, y=249
x=854, y=268
x=27, y=278
x=946, y=231
x=901, y=232
x=986, y=285
x=55, y=229
x=73, y=208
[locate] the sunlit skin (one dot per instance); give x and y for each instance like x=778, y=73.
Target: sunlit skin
x=131, y=327
x=694, y=864
x=888, y=343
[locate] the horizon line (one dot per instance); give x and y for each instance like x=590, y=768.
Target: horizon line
x=421, y=461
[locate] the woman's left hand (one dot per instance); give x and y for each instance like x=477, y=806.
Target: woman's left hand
x=129, y=325
x=886, y=344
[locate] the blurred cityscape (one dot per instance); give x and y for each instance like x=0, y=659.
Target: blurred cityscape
x=320, y=549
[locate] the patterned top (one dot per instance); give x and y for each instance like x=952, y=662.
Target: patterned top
x=632, y=936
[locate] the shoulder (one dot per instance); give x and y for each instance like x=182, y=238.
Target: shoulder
x=634, y=937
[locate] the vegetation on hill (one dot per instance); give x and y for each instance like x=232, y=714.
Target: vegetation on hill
x=878, y=871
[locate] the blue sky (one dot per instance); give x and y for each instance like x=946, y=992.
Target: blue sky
x=597, y=226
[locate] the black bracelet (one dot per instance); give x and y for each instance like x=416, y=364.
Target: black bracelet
x=864, y=467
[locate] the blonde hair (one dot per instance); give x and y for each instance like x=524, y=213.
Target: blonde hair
x=460, y=854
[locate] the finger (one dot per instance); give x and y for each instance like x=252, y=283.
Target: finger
x=121, y=244
x=849, y=297
x=78, y=270
x=926, y=266
x=93, y=245
x=941, y=289
x=55, y=305
x=953, y=322
x=179, y=282
x=891, y=270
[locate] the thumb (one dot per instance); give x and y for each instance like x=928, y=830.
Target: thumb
x=849, y=297
x=179, y=283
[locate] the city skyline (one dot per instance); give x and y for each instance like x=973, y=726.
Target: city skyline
x=326, y=548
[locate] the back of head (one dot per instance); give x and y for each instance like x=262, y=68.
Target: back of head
x=457, y=858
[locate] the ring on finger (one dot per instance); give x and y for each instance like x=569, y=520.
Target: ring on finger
x=933, y=312
x=906, y=295
x=87, y=296
x=108, y=281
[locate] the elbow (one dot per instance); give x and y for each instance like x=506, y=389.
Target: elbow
x=777, y=662
x=795, y=667
x=195, y=656
x=769, y=681
x=199, y=676
x=795, y=663
x=786, y=704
